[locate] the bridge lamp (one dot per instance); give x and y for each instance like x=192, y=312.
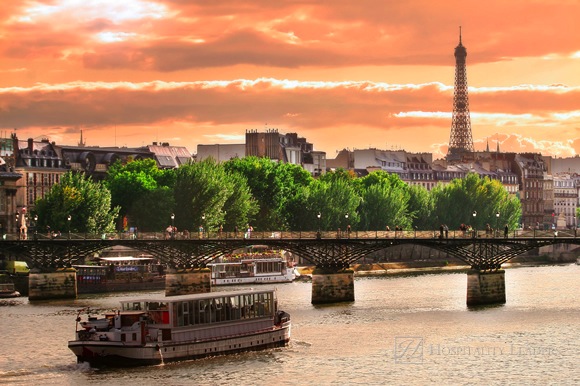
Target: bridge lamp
x=35, y=226
x=496, y=221
x=68, y=219
x=474, y=216
x=319, y=215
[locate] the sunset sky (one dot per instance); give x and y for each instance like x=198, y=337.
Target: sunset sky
x=341, y=73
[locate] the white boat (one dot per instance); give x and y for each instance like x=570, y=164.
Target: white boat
x=257, y=264
x=154, y=331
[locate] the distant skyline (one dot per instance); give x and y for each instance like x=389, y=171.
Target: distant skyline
x=370, y=73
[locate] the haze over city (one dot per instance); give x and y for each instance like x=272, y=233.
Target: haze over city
x=341, y=74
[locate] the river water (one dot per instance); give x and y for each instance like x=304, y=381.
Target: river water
x=400, y=330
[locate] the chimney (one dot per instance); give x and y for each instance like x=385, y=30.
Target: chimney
x=30, y=145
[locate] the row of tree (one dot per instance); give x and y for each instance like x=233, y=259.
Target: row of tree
x=269, y=196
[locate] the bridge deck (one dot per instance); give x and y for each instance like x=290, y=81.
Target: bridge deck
x=328, y=249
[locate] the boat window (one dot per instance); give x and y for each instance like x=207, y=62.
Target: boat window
x=190, y=308
x=202, y=315
x=176, y=307
x=180, y=307
x=216, y=310
x=133, y=306
x=234, y=308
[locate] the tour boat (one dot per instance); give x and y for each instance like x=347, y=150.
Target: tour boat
x=257, y=264
x=155, y=331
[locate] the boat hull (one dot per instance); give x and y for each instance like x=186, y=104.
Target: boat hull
x=253, y=280
x=8, y=295
x=118, y=354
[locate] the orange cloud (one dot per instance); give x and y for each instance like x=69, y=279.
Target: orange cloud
x=341, y=73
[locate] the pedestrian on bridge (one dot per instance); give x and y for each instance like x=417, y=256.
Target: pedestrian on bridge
x=506, y=229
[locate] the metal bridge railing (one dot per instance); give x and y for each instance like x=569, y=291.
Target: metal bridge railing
x=255, y=235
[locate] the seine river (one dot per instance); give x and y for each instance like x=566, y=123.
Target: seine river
x=400, y=330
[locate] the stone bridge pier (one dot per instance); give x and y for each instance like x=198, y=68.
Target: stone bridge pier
x=57, y=284
x=185, y=282
x=485, y=287
x=332, y=287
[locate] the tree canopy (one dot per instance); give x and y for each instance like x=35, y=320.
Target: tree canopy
x=271, y=196
x=88, y=204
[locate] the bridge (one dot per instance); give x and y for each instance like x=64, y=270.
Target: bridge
x=331, y=252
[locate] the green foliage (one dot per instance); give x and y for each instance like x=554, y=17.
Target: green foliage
x=151, y=212
x=270, y=196
x=420, y=207
x=455, y=203
x=207, y=189
x=134, y=183
x=87, y=202
x=333, y=199
x=273, y=185
x=384, y=202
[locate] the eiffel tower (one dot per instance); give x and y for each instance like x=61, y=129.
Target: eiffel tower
x=460, y=140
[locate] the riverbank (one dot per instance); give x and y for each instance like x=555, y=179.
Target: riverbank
x=420, y=267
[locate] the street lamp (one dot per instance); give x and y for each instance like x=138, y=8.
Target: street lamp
x=318, y=215
x=202, y=230
x=474, y=229
x=35, y=226
x=347, y=226
x=496, y=222
x=68, y=218
x=172, y=225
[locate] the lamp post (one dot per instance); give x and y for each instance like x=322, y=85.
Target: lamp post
x=202, y=230
x=68, y=219
x=172, y=225
x=319, y=215
x=474, y=228
x=496, y=222
x=35, y=226
x=346, y=226
x=17, y=227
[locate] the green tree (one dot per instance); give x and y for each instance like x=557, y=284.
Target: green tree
x=384, y=202
x=151, y=212
x=87, y=202
x=273, y=185
x=207, y=189
x=332, y=198
x=134, y=183
x=240, y=207
x=455, y=203
x=420, y=208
